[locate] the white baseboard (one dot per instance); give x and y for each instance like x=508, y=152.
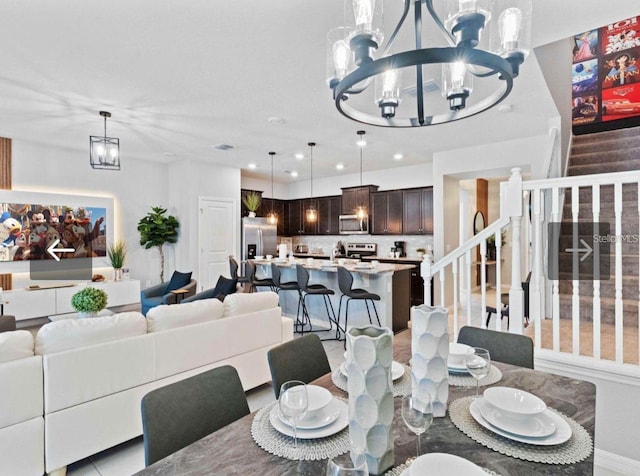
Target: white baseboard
x=617, y=463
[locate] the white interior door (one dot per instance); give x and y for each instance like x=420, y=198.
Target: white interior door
x=217, y=231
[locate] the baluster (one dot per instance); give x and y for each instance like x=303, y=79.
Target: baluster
x=595, y=204
x=576, y=255
x=425, y=271
x=555, y=293
x=455, y=292
x=618, y=247
x=467, y=258
x=483, y=281
x=537, y=306
x=498, y=242
x=515, y=214
x=441, y=274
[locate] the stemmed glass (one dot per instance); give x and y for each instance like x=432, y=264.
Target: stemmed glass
x=347, y=465
x=417, y=414
x=293, y=403
x=478, y=363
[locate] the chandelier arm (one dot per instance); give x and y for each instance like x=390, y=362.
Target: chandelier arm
x=425, y=56
x=419, y=88
x=392, y=38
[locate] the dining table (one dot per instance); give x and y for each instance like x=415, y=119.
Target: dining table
x=232, y=450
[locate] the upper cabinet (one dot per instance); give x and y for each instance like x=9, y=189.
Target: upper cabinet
x=386, y=213
x=329, y=209
x=354, y=197
x=278, y=207
x=418, y=211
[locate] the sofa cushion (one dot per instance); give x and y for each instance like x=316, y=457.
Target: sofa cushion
x=165, y=317
x=178, y=280
x=15, y=345
x=73, y=333
x=244, y=303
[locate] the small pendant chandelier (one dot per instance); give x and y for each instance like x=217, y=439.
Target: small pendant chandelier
x=361, y=210
x=312, y=215
x=272, y=218
x=104, y=152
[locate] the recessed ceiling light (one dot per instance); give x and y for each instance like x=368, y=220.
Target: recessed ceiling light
x=294, y=173
x=398, y=156
x=275, y=120
x=339, y=166
x=252, y=166
x=299, y=156
x=223, y=146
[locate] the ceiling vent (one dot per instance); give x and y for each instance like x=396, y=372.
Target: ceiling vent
x=224, y=147
x=429, y=86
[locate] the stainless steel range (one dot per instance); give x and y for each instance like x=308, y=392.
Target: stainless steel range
x=358, y=250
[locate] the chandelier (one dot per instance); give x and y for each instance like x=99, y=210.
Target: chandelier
x=104, y=152
x=485, y=39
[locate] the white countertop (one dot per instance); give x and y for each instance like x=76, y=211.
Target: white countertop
x=331, y=267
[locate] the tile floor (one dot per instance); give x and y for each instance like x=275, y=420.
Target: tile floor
x=128, y=458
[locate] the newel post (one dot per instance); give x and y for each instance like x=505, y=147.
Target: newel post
x=513, y=208
x=425, y=272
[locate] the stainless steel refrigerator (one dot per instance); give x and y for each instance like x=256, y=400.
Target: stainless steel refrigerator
x=259, y=238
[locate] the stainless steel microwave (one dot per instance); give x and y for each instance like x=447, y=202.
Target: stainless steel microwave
x=352, y=225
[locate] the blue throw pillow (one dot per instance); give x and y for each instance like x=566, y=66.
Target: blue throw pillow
x=178, y=280
x=225, y=286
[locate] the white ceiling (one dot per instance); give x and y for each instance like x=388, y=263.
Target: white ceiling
x=182, y=76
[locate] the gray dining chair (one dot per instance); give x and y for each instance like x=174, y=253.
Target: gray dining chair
x=176, y=415
x=303, y=358
x=514, y=349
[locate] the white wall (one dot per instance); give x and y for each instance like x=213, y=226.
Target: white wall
x=137, y=187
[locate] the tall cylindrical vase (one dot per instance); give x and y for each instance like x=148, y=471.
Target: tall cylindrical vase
x=429, y=354
x=369, y=358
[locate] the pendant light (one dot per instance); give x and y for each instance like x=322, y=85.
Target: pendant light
x=272, y=218
x=104, y=152
x=312, y=215
x=361, y=210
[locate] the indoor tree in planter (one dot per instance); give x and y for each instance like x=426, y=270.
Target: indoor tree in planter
x=117, y=253
x=89, y=301
x=156, y=229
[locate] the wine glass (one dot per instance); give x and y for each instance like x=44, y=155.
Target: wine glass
x=417, y=414
x=293, y=403
x=478, y=363
x=347, y=465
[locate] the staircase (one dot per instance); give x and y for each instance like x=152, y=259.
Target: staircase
x=612, y=151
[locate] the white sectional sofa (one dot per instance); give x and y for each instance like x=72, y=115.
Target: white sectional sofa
x=96, y=371
x=21, y=403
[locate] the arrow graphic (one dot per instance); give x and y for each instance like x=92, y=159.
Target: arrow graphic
x=52, y=250
x=587, y=250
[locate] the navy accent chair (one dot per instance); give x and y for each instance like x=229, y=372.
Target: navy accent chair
x=224, y=287
x=161, y=293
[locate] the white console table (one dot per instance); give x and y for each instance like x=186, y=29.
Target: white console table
x=47, y=301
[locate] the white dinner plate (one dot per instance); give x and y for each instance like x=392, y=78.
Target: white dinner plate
x=534, y=426
x=443, y=464
x=338, y=425
x=562, y=433
x=325, y=417
x=457, y=368
x=397, y=370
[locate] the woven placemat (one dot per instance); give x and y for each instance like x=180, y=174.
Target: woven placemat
x=466, y=380
x=398, y=470
x=401, y=387
x=274, y=442
x=576, y=449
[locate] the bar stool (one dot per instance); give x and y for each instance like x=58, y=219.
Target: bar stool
x=256, y=282
x=305, y=289
x=233, y=269
x=345, y=283
x=287, y=286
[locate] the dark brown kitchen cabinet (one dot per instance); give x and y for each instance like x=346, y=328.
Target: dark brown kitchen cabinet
x=294, y=222
x=354, y=197
x=278, y=207
x=418, y=211
x=328, y=213
x=386, y=213
x=309, y=227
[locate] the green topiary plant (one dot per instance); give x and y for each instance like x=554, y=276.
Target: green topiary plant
x=89, y=300
x=156, y=229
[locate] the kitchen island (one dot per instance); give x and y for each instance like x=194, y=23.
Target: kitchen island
x=392, y=282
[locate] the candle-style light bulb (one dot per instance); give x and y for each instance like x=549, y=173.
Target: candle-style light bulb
x=510, y=25
x=341, y=57
x=363, y=13
x=467, y=5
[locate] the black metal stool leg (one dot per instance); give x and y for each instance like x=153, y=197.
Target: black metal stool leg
x=376, y=311
x=366, y=304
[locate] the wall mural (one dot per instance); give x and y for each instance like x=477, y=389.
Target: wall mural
x=27, y=230
x=606, y=75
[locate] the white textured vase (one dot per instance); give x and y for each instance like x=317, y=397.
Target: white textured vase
x=429, y=353
x=369, y=358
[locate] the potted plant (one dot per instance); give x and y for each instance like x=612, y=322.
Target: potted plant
x=117, y=253
x=89, y=301
x=421, y=252
x=252, y=201
x=156, y=229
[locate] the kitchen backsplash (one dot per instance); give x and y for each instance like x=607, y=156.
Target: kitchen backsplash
x=385, y=243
